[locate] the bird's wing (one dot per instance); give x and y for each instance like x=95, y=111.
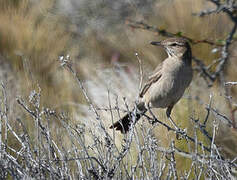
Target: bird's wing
x=154, y=77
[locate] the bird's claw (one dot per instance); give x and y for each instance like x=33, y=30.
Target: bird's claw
x=181, y=133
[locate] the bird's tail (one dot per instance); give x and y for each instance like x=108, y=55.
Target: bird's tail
x=124, y=124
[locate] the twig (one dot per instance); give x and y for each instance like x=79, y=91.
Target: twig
x=230, y=83
x=155, y=120
x=163, y=32
x=65, y=62
x=140, y=71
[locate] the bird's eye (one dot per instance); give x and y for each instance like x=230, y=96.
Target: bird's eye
x=174, y=44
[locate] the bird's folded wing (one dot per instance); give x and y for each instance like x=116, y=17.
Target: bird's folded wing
x=152, y=79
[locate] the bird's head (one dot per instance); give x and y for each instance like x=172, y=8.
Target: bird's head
x=175, y=47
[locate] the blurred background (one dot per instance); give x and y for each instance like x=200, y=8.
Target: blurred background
x=102, y=47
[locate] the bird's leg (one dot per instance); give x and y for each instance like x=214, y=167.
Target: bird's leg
x=178, y=130
x=168, y=112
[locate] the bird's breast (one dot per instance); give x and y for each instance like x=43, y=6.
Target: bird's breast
x=176, y=77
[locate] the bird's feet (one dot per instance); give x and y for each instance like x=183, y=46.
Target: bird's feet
x=180, y=133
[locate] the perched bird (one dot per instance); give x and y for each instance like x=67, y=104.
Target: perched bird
x=167, y=83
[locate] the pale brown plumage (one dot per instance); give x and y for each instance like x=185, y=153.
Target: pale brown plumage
x=167, y=84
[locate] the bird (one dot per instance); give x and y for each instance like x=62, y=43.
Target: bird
x=166, y=85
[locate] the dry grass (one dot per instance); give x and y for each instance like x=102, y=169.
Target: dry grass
x=33, y=35
x=31, y=40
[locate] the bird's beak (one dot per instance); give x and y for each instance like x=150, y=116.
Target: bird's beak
x=156, y=43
